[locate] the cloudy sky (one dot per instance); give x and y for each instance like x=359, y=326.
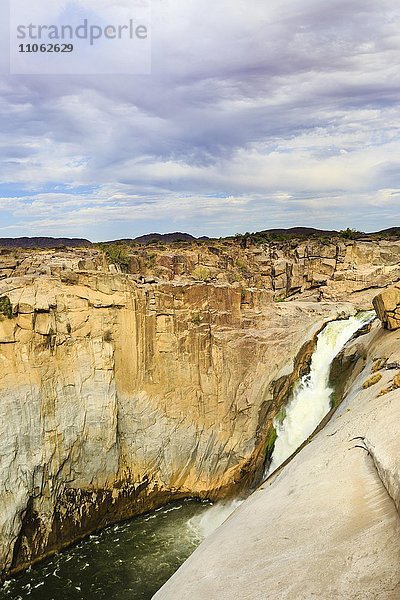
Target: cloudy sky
x=256, y=114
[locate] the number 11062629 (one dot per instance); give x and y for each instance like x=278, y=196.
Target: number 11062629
x=46, y=48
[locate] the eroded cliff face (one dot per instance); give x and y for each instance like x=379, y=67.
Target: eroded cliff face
x=119, y=395
x=332, y=269
x=116, y=398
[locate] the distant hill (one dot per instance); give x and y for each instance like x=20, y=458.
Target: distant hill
x=151, y=238
x=310, y=232
x=390, y=231
x=165, y=237
x=268, y=234
x=305, y=232
x=44, y=242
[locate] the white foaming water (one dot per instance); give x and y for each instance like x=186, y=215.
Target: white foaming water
x=312, y=398
x=207, y=522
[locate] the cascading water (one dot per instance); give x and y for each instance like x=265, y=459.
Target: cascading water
x=311, y=402
x=311, y=399
x=204, y=523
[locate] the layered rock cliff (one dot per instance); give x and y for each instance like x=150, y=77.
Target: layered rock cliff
x=118, y=395
x=331, y=269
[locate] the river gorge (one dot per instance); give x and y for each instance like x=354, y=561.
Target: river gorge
x=162, y=389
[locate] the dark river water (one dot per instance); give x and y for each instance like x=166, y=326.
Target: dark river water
x=129, y=561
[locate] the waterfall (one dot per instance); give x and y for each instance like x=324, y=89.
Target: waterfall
x=205, y=523
x=311, y=399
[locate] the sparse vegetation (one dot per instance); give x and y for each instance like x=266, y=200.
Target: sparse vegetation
x=379, y=363
x=241, y=264
x=201, y=273
x=150, y=260
x=234, y=277
x=350, y=234
x=6, y=307
x=116, y=255
x=196, y=320
x=385, y=391
x=270, y=443
x=372, y=380
x=335, y=400
x=281, y=416
x=396, y=381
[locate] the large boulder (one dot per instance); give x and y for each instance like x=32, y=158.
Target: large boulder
x=387, y=306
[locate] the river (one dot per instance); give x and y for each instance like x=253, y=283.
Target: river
x=129, y=561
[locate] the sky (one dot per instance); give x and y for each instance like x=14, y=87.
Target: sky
x=256, y=114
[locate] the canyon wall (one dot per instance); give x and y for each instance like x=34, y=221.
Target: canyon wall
x=118, y=395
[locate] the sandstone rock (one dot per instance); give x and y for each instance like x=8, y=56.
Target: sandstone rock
x=87, y=265
x=374, y=379
x=7, y=331
x=44, y=323
x=25, y=321
x=340, y=268
x=387, y=306
x=9, y=264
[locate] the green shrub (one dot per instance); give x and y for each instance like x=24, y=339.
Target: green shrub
x=372, y=380
x=241, y=264
x=6, y=307
x=281, y=416
x=234, y=277
x=350, y=234
x=151, y=260
x=201, y=273
x=116, y=255
x=196, y=320
x=270, y=443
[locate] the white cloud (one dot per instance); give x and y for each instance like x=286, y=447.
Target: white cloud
x=255, y=115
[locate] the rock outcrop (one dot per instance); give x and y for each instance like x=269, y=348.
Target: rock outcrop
x=330, y=269
x=387, y=306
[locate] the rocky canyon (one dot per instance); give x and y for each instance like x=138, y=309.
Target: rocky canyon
x=125, y=386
